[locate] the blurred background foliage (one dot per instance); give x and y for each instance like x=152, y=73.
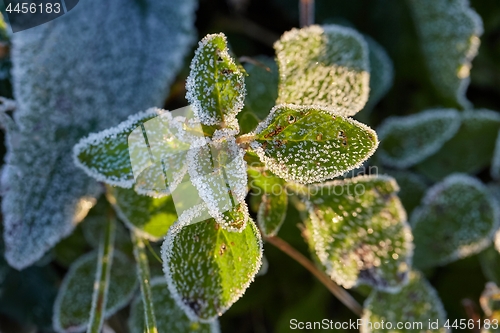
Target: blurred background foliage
x=287, y=290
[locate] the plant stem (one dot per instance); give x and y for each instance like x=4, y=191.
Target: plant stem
x=306, y=13
x=104, y=262
x=144, y=278
x=337, y=291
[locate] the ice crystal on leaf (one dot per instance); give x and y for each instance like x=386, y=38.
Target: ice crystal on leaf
x=406, y=141
x=324, y=65
x=360, y=233
x=72, y=76
x=208, y=268
x=169, y=317
x=457, y=218
x=449, y=36
x=309, y=144
x=417, y=302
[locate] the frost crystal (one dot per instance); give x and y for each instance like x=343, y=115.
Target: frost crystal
x=360, y=233
x=324, y=65
x=406, y=141
x=416, y=303
x=457, y=218
x=449, y=36
x=83, y=72
x=169, y=317
x=208, y=268
x=308, y=144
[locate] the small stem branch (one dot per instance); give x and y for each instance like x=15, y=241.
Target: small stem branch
x=104, y=262
x=306, y=13
x=144, y=278
x=337, y=291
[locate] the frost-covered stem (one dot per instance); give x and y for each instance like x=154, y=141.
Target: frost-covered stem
x=144, y=279
x=337, y=291
x=306, y=13
x=104, y=262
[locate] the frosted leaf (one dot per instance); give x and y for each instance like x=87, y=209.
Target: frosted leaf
x=449, y=33
x=94, y=225
x=96, y=72
x=406, y=141
x=216, y=86
x=417, y=302
x=324, y=65
x=218, y=171
x=262, y=91
x=74, y=300
x=456, y=219
x=469, y=151
x=490, y=264
x=274, y=202
x=148, y=217
x=495, y=163
x=412, y=188
x=169, y=317
x=308, y=144
x=381, y=72
x=360, y=233
x=208, y=268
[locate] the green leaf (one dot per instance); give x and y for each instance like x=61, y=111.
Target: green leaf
x=381, y=72
x=412, y=188
x=469, y=151
x=93, y=226
x=309, y=144
x=417, y=302
x=490, y=264
x=324, y=65
x=148, y=217
x=262, y=91
x=360, y=233
x=208, y=268
x=216, y=86
x=456, y=219
x=272, y=213
x=449, y=33
x=169, y=317
x=74, y=300
x=406, y=141
x=490, y=303
x=495, y=163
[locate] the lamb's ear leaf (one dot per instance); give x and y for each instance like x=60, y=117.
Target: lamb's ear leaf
x=449, y=37
x=417, y=302
x=74, y=300
x=169, y=316
x=315, y=69
x=412, y=188
x=360, y=233
x=262, y=91
x=308, y=144
x=406, y=141
x=457, y=218
x=469, y=151
x=216, y=85
x=147, y=216
x=209, y=268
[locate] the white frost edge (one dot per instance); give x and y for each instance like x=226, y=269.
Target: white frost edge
x=465, y=250
x=282, y=170
x=166, y=255
x=96, y=138
x=56, y=323
x=414, y=120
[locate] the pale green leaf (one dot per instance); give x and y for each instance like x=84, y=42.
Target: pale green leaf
x=309, y=144
x=406, y=141
x=469, y=151
x=216, y=85
x=148, y=217
x=272, y=212
x=208, y=268
x=457, y=218
x=360, y=233
x=324, y=65
x=74, y=300
x=169, y=317
x=449, y=33
x=416, y=304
